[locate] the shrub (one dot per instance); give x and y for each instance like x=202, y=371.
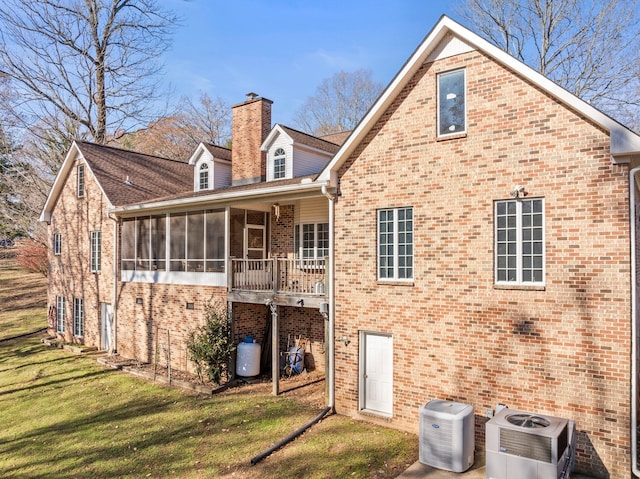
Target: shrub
x=32, y=255
x=210, y=346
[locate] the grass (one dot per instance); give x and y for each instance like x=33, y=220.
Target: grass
x=64, y=416
x=22, y=297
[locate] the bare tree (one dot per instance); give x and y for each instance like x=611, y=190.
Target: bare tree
x=339, y=103
x=589, y=47
x=71, y=69
x=91, y=62
x=176, y=136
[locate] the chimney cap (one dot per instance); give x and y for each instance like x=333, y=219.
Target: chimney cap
x=252, y=96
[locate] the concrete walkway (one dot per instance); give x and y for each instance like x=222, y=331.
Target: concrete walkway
x=477, y=471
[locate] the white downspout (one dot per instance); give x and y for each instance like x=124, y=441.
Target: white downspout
x=331, y=289
x=634, y=325
x=114, y=301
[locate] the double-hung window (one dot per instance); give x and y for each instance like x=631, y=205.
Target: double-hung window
x=279, y=164
x=78, y=317
x=80, y=172
x=96, y=251
x=452, y=107
x=519, y=237
x=311, y=240
x=57, y=244
x=60, y=313
x=395, y=244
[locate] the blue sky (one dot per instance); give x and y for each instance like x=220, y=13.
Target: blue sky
x=283, y=49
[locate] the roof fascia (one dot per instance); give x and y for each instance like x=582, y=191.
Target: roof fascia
x=58, y=183
x=623, y=141
x=271, y=137
x=200, y=150
x=291, y=191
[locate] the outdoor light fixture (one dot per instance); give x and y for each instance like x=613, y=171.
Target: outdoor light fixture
x=190, y=305
x=138, y=300
x=517, y=191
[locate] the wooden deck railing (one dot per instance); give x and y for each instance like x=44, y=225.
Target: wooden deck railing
x=278, y=275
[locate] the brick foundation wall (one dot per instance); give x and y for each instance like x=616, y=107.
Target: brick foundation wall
x=162, y=320
x=563, y=351
x=251, y=320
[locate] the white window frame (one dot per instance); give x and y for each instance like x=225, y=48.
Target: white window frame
x=518, y=242
x=96, y=251
x=80, y=172
x=204, y=176
x=400, y=245
x=57, y=244
x=319, y=232
x=60, y=313
x=279, y=164
x=465, y=106
x=78, y=317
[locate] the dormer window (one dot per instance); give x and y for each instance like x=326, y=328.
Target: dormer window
x=279, y=163
x=204, y=176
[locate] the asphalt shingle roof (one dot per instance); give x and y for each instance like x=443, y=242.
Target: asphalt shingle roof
x=149, y=176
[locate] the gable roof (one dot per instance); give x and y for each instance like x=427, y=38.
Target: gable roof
x=124, y=176
x=300, y=138
x=217, y=152
x=338, y=138
x=624, y=142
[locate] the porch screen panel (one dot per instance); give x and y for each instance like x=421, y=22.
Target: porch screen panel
x=128, y=244
x=236, y=236
x=143, y=245
x=214, y=244
x=195, y=241
x=158, y=243
x=177, y=246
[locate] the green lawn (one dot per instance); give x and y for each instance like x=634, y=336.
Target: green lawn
x=65, y=416
x=23, y=297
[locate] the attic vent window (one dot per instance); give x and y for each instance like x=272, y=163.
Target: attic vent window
x=279, y=163
x=452, y=106
x=204, y=177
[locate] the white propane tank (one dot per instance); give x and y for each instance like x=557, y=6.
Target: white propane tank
x=248, y=360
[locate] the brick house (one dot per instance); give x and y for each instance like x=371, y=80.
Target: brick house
x=470, y=240
x=246, y=226
x=483, y=251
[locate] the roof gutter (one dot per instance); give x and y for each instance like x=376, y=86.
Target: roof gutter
x=296, y=190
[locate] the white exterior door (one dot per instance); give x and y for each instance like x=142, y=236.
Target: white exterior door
x=106, y=327
x=376, y=373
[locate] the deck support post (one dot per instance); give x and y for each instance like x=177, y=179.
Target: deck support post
x=275, y=349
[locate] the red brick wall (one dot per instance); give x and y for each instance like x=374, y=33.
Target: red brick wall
x=142, y=327
x=251, y=123
x=69, y=273
x=563, y=351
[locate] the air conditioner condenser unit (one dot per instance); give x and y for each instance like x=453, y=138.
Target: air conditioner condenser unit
x=528, y=446
x=447, y=438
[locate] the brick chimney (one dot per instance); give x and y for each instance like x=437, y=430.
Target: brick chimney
x=250, y=125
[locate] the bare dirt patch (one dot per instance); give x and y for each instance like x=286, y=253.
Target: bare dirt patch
x=306, y=387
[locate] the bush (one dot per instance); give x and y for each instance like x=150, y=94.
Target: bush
x=210, y=346
x=32, y=255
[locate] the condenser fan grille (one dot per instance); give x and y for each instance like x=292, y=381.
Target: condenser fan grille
x=529, y=421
